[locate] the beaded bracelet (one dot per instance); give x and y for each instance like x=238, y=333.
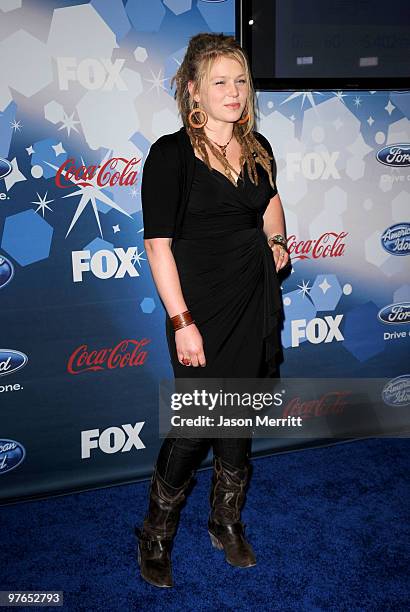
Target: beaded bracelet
x=278, y=239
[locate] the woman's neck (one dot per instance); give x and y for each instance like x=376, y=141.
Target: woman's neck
x=220, y=134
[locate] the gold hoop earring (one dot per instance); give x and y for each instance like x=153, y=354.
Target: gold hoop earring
x=244, y=119
x=192, y=113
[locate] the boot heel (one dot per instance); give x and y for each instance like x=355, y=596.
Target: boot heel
x=158, y=531
x=227, y=497
x=215, y=542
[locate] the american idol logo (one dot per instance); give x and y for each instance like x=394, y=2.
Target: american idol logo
x=11, y=361
x=12, y=453
x=397, y=391
x=395, y=314
x=395, y=155
x=5, y=167
x=6, y=271
x=396, y=239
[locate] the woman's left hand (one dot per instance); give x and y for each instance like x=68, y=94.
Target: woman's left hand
x=280, y=256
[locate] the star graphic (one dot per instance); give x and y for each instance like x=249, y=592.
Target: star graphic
x=156, y=81
x=116, y=228
x=137, y=257
x=68, y=123
x=16, y=125
x=42, y=204
x=90, y=193
x=30, y=150
x=304, y=288
x=357, y=101
x=15, y=175
x=389, y=107
x=304, y=95
x=133, y=192
x=370, y=121
x=324, y=285
x=340, y=95
x=58, y=149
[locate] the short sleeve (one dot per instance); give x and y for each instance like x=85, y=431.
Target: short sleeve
x=266, y=145
x=160, y=193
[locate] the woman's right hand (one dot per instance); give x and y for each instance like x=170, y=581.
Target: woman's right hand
x=189, y=346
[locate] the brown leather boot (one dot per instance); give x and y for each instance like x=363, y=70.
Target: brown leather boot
x=155, y=539
x=224, y=525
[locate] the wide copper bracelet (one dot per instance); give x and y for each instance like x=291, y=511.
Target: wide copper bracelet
x=182, y=320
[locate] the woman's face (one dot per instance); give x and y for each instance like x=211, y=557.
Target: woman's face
x=224, y=96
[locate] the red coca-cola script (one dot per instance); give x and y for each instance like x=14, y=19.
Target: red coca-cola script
x=127, y=353
x=106, y=175
x=329, y=244
x=329, y=403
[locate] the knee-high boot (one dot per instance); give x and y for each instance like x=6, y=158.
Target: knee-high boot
x=224, y=525
x=155, y=539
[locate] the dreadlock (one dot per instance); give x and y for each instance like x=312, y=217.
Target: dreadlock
x=203, y=49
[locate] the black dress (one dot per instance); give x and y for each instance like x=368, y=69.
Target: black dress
x=228, y=276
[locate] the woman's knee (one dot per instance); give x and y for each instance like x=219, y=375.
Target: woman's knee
x=178, y=457
x=234, y=451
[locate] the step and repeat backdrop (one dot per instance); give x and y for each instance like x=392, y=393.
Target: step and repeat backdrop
x=84, y=91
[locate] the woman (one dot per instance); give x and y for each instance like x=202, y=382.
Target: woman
x=214, y=235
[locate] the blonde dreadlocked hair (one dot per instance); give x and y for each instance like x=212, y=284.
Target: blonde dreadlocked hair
x=203, y=49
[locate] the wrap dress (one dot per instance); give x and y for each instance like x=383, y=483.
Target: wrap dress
x=227, y=272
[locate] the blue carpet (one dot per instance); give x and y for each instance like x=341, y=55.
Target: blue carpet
x=329, y=527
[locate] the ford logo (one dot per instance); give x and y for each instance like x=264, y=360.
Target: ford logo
x=395, y=314
x=395, y=155
x=11, y=361
x=5, y=167
x=12, y=453
x=397, y=391
x=6, y=271
x=396, y=239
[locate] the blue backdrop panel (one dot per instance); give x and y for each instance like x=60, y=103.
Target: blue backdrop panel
x=84, y=92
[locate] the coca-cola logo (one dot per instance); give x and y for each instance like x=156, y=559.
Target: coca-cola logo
x=127, y=353
x=330, y=403
x=329, y=244
x=106, y=175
